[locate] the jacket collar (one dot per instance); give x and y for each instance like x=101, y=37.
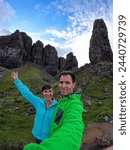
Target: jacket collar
x=53, y=103
x=75, y=92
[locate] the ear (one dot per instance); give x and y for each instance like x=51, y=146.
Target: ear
x=74, y=84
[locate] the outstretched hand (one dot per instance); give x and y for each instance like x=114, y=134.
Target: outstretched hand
x=14, y=75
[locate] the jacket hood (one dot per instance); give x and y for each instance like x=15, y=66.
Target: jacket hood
x=73, y=96
x=77, y=91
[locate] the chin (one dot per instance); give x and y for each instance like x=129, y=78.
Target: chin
x=63, y=94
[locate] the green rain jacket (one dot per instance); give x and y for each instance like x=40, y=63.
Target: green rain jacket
x=66, y=127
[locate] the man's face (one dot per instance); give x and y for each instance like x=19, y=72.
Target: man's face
x=48, y=94
x=66, y=85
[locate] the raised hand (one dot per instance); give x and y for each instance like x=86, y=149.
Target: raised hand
x=14, y=75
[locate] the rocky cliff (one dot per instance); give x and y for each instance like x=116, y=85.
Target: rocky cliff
x=17, y=49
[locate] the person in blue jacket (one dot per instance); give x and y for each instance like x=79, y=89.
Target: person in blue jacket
x=44, y=107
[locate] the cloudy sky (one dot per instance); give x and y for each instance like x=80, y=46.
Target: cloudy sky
x=66, y=25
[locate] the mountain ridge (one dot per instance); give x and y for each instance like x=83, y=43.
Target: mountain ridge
x=17, y=49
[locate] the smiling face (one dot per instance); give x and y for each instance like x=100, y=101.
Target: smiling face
x=48, y=94
x=66, y=85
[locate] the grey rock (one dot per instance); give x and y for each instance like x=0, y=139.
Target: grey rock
x=71, y=62
x=14, y=49
x=100, y=49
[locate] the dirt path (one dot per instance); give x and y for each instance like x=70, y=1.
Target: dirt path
x=97, y=135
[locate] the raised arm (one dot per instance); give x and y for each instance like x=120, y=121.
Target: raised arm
x=24, y=90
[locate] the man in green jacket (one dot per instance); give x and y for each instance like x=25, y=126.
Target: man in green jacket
x=67, y=125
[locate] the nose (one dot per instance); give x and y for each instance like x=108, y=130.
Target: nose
x=63, y=85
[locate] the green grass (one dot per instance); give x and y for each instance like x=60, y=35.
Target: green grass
x=29, y=74
x=101, y=98
x=15, y=128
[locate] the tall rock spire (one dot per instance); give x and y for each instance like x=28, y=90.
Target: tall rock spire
x=100, y=49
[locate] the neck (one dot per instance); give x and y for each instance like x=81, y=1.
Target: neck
x=48, y=102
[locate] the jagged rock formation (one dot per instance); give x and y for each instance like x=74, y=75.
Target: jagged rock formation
x=71, y=62
x=100, y=49
x=61, y=63
x=46, y=56
x=14, y=49
x=37, y=52
x=51, y=60
x=17, y=49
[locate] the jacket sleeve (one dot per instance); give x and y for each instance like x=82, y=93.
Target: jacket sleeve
x=26, y=93
x=69, y=134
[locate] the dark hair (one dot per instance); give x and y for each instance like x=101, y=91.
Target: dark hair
x=46, y=87
x=68, y=73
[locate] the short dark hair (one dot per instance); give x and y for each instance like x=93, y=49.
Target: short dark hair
x=66, y=72
x=46, y=87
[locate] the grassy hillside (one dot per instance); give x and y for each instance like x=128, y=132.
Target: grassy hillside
x=100, y=96
x=15, y=126
x=97, y=91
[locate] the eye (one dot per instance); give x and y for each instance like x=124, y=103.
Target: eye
x=67, y=82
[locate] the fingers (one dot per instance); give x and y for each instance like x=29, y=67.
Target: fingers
x=14, y=74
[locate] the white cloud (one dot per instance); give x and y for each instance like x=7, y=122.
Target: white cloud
x=6, y=14
x=57, y=33
x=80, y=48
x=76, y=37
x=4, y=32
x=82, y=14
x=67, y=34
x=39, y=36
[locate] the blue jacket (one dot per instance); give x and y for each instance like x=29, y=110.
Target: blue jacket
x=43, y=117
